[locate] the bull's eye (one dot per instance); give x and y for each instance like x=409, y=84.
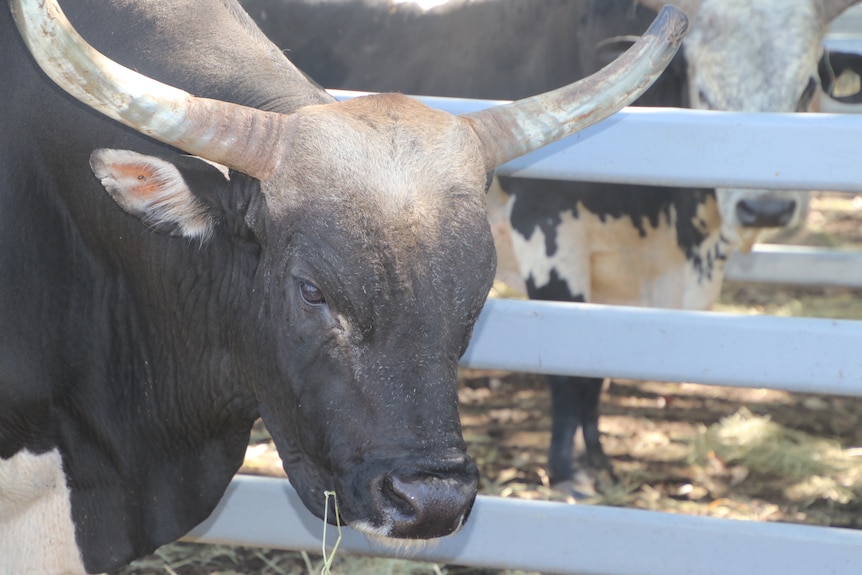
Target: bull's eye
x=311, y=294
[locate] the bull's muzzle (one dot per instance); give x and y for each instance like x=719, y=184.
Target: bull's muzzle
x=765, y=212
x=425, y=502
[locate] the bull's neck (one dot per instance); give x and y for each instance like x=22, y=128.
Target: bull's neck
x=156, y=377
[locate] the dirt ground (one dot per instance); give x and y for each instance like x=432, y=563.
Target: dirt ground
x=750, y=454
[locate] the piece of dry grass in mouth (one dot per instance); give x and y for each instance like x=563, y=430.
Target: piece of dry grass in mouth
x=327, y=559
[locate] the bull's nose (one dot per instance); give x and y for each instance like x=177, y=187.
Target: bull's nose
x=426, y=506
x=765, y=212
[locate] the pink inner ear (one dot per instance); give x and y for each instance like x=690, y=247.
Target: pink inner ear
x=139, y=180
x=153, y=190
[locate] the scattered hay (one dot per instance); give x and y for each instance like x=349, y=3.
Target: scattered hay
x=819, y=487
x=754, y=451
x=197, y=559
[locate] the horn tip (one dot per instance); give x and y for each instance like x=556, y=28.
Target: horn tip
x=671, y=22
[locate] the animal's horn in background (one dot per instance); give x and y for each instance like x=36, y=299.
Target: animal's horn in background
x=515, y=129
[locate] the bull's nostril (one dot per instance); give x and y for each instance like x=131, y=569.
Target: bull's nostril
x=787, y=215
x=398, y=497
x=744, y=213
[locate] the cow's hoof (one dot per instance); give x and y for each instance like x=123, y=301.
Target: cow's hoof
x=581, y=486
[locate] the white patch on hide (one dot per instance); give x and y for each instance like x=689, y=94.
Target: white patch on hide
x=378, y=538
x=609, y=262
x=572, y=258
x=37, y=535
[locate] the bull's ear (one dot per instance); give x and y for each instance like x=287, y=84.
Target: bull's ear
x=841, y=76
x=155, y=191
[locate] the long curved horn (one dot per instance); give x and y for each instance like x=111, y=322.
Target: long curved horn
x=832, y=9
x=222, y=132
x=515, y=129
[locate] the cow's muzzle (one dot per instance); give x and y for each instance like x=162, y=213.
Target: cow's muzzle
x=765, y=212
x=422, y=501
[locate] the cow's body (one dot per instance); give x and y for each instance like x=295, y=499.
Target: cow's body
x=575, y=241
x=317, y=264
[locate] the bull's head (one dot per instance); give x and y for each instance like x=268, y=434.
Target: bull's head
x=756, y=56
x=375, y=256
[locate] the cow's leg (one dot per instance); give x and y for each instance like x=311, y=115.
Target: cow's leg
x=574, y=404
x=592, y=391
x=550, y=242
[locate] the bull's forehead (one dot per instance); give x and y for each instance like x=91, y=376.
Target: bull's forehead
x=753, y=55
x=387, y=151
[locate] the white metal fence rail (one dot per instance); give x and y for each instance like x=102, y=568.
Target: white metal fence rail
x=695, y=148
x=797, y=354
x=798, y=265
x=556, y=538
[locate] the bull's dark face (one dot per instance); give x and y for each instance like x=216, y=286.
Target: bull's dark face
x=369, y=325
x=372, y=283
x=375, y=257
